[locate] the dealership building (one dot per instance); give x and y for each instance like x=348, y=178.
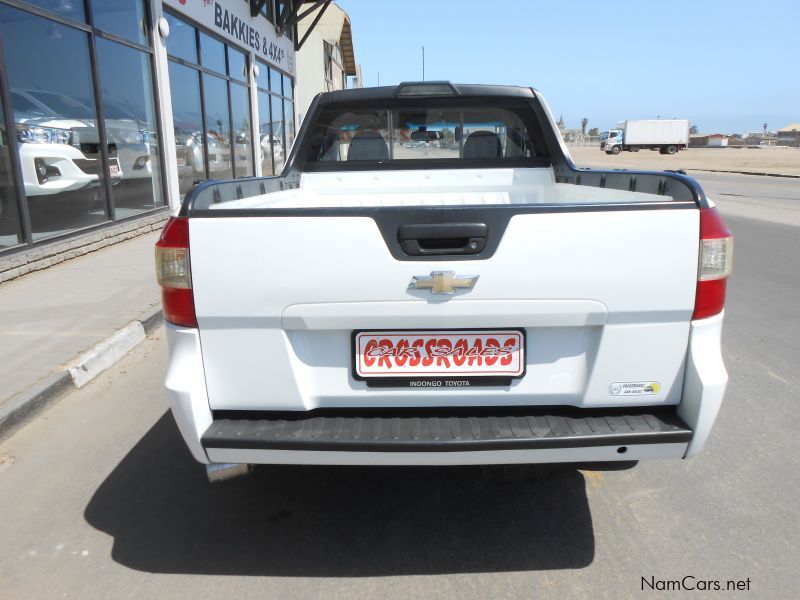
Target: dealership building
x=110, y=110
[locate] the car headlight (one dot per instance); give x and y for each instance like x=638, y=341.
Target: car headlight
x=43, y=135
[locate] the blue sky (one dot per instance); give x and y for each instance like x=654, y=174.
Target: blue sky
x=726, y=65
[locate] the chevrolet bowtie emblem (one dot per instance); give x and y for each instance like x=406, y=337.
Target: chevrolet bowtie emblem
x=442, y=282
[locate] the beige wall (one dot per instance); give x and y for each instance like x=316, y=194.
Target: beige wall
x=310, y=73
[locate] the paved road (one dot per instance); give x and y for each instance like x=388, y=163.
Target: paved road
x=99, y=498
x=772, y=199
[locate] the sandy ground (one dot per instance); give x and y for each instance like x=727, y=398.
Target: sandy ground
x=779, y=161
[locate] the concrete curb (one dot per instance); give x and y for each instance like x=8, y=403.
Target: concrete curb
x=20, y=408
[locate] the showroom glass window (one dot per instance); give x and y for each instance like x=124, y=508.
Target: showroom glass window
x=71, y=10
x=240, y=114
x=10, y=226
x=86, y=139
x=125, y=18
x=210, y=105
x=276, y=116
x=130, y=120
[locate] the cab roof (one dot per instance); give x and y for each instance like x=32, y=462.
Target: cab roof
x=424, y=89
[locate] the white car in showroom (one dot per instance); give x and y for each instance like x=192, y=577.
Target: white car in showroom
x=59, y=149
x=271, y=148
x=190, y=152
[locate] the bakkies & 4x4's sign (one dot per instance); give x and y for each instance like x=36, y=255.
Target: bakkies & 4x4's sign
x=232, y=21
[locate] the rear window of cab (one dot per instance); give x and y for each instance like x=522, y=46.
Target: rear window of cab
x=446, y=135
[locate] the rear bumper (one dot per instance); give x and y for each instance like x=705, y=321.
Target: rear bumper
x=459, y=430
x=477, y=457
x=459, y=436
x=705, y=380
x=465, y=435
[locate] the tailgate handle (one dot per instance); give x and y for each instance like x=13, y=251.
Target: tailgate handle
x=442, y=238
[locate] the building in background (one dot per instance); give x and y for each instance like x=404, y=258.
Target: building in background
x=358, y=80
x=760, y=138
x=708, y=140
x=789, y=135
x=110, y=110
x=717, y=140
x=327, y=57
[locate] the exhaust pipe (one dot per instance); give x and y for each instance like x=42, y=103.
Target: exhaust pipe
x=222, y=471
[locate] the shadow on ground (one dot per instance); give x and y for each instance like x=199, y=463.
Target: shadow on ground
x=335, y=521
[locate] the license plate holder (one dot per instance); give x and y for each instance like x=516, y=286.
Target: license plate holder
x=445, y=358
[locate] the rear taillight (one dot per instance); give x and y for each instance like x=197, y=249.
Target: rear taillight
x=174, y=273
x=716, y=260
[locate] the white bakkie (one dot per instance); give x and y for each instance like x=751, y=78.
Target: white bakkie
x=431, y=281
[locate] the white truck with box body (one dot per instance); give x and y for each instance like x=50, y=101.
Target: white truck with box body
x=668, y=136
x=431, y=281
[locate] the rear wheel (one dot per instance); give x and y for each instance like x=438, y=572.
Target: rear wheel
x=671, y=149
x=615, y=150
x=662, y=150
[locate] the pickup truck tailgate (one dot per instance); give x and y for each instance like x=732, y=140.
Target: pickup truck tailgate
x=604, y=296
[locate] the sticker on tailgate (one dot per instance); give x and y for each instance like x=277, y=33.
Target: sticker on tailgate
x=439, y=354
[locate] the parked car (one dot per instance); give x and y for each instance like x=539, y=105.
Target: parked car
x=491, y=305
x=271, y=147
x=59, y=144
x=135, y=141
x=190, y=154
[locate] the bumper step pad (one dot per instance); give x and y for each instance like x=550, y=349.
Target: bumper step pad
x=457, y=430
